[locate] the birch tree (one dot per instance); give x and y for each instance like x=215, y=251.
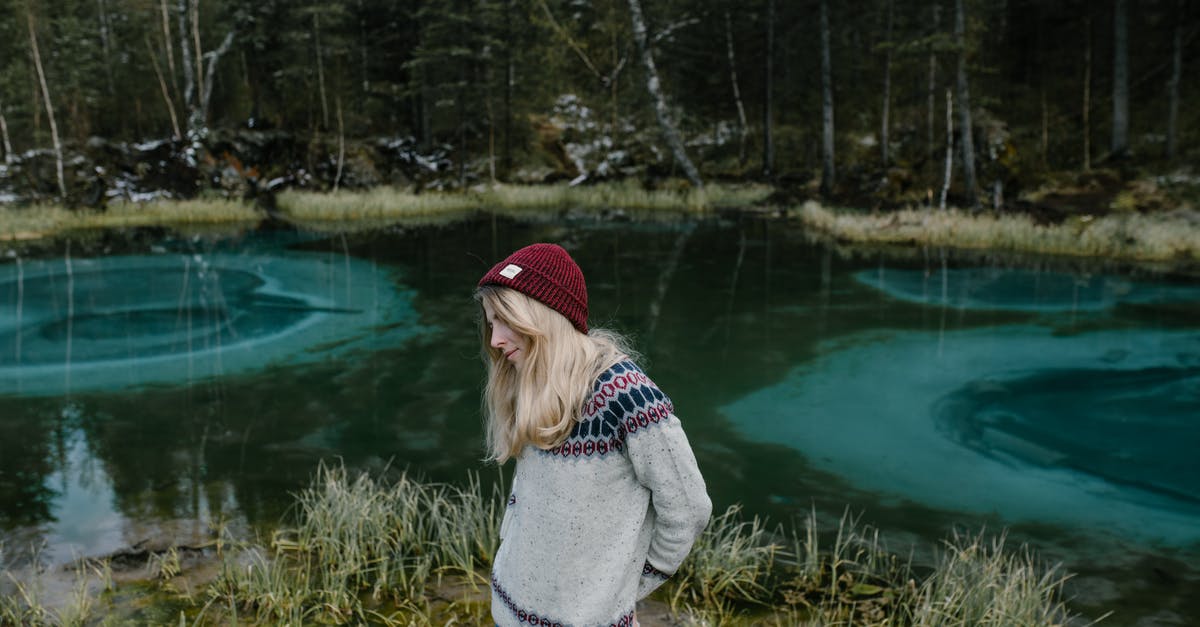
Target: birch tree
x=743, y=131
x=949, y=150
x=654, y=88
x=197, y=81
x=1120, y=96
x=964, y=108
x=8, y=151
x=45, y=90
x=827, y=157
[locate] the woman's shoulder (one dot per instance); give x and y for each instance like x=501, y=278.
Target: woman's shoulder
x=628, y=385
x=623, y=367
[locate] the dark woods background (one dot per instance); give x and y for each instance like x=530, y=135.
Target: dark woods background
x=459, y=91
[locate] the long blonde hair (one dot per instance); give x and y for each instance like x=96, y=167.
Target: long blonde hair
x=539, y=401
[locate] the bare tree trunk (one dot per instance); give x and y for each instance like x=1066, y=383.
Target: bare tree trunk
x=491, y=122
x=364, y=78
x=674, y=142
x=165, y=92
x=8, y=151
x=166, y=32
x=743, y=129
x=1045, y=130
x=1120, y=123
x=4, y=138
x=964, y=108
x=316, y=19
x=199, y=50
x=1173, y=84
x=949, y=148
x=827, y=157
x=887, y=87
x=508, y=88
x=210, y=74
x=768, y=84
x=1087, y=93
x=41, y=73
x=189, y=75
x=106, y=46
x=337, y=178
x=932, y=94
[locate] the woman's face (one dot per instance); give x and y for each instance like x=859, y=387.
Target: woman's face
x=503, y=338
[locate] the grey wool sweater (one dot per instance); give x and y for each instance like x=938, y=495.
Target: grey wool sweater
x=601, y=521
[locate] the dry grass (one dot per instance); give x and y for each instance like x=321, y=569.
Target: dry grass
x=1143, y=237
x=365, y=551
x=43, y=220
x=403, y=205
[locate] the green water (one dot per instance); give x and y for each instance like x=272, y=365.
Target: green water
x=928, y=394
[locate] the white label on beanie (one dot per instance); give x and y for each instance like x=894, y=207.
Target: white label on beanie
x=510, y=271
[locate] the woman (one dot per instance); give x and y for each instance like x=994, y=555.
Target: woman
x=607, y=499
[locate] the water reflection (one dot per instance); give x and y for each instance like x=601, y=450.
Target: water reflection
x=1020, y=289
x=800, y=384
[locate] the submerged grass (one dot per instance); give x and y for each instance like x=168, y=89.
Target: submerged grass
x=1168, y=236
x=407, y=552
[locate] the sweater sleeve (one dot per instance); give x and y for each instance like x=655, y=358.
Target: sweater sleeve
x=664, y=463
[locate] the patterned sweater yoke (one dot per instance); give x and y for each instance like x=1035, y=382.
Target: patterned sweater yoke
x=600, y=521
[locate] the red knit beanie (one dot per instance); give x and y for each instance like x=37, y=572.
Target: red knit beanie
x=546, y=273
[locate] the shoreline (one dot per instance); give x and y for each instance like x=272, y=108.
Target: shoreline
x=1171, y=237
x=1165, y=238
x=361, y=549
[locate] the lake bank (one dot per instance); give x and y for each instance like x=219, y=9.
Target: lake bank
x=778, y=309
x=362, y=549
x=1172, y=237
x=1169, y=237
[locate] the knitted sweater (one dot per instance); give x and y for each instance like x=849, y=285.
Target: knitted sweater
x=599, y=522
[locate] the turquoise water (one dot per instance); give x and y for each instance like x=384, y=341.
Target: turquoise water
x=161, y=382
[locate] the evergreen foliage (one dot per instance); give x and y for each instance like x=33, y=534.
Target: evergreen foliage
x=482, y=78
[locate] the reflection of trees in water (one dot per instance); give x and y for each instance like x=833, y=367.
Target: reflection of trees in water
x=26, y=460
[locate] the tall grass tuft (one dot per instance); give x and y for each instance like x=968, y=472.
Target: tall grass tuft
x=855, y=578
x=363, y=551
x=27, y=603
x=978, y=582
x=366, y=551
x=731, y=562
x=1143, y=237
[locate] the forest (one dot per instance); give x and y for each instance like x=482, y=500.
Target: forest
x=868, y=103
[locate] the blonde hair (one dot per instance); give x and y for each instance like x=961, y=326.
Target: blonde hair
x=539, y=401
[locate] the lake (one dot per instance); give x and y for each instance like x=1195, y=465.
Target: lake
x=152, y=381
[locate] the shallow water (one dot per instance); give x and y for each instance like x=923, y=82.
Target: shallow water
x=1058, y=400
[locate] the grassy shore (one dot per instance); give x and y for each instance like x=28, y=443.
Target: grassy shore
x=383, y=206
x=410, y=553
x=1172, y=237
x=1169, y=236
x=22, y=223
x=397, y=204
